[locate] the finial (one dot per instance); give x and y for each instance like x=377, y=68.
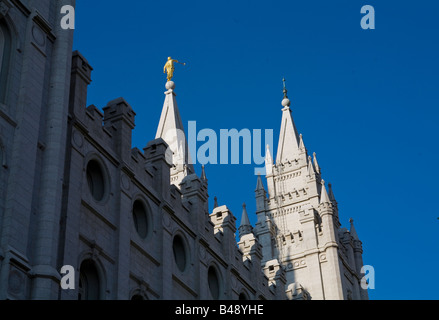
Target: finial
x=324, y=198
x=285, y=102
x=203, y=173
x=245, y=226
x=352, y=230
x=215, y=202
x=301, y=143
x=259, y=184
x=316, y=164
x=244, y=205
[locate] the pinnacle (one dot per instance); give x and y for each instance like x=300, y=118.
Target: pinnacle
x=324, y=198
x=352, y=230
x=245, y=226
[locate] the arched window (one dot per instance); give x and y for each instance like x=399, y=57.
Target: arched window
x=89, y=283
x=5, y=49
x=179, y=250
x=96, y=180
x=214, y=282
x=242, y=296
x=140, y=219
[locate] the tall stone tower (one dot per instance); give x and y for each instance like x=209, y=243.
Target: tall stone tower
x=298, y=223
x=35, y=67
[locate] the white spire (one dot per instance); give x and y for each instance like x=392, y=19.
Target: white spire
x=324, y=198
x=316, y=164
x=311, y=171
x=171, y=130
x=268, y=161
x=288, y=146
x=301, y=144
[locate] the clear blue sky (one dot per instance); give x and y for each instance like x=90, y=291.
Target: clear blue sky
x=366, y=101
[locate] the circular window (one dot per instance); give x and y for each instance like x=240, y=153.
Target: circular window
x=179, y=253
x=214, y=284
x=95, y=180
x=140, y=219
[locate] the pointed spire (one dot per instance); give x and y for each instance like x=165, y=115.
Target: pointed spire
x=331, y=193
x=244, y=220
x=259, y=184
x=288, y=146
x=268, y=161
x=245, y=226
x=215, y=202
x=316, y=164
x=301, y=143
x=203, y=174
x=352, y=230
x=324, y=198
x=311, y=171
x=171, y=130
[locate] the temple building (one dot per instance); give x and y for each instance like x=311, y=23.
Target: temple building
x=135, y=223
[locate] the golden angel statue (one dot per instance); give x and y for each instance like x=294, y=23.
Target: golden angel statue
x=169, y=67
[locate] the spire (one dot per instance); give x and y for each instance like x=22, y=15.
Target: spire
x=203, y=174
x=331, y=193
x=311, y=171
x=171, y=130
x=316, y=164
x=268, y=161
x=324, y=198
x=259, y=184
x=245, y=226
x=352, y=230
x=288, y=146
x=260, y=195
x=215, y=202
x=301, y=144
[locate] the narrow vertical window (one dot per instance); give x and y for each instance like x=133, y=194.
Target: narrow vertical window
x=89, y=283
x=5, y=48
x=214, y=283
